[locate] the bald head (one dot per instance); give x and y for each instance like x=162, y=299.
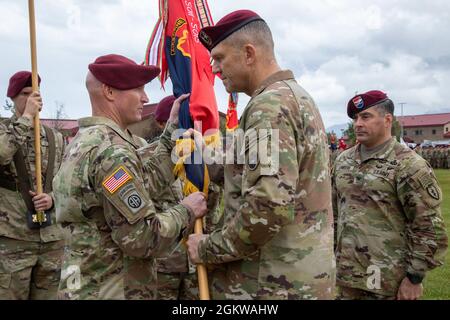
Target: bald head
x=92, y=84
x=97, y=94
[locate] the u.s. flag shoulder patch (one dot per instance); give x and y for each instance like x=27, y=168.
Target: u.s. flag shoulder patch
x=119, y=177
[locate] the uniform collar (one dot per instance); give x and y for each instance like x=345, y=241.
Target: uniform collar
x=277, y=76
x=14, y=118
x=95, y=121
x=381, y=154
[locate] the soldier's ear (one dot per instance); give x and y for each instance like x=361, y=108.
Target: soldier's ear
x=108, y=92
x=389, y=119
x=250, y=54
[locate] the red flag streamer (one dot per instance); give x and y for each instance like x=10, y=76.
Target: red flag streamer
x=232, y=116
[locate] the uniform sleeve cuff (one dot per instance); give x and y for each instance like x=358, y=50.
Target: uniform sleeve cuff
x=27, y=122
x=190, y=221
x=411, y=270
x=202, y=250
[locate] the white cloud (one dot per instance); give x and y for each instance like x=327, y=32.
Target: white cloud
x=404, y=77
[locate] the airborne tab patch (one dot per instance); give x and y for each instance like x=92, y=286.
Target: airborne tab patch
x=117, y=179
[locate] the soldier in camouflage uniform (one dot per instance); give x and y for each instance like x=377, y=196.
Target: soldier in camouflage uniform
x=430, y=156
x=443, y=158
x=448, y=157
x=419, y=151
x=390, y=230
x=30, y=254
x=425, y=154
x=438, y=157
x=103, y=191
x=434, y=157
x=277, y=237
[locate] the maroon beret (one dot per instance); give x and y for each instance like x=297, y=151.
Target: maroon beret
x=122, y=73
x=18, y=81
x=364, y=101
x=213, y=35
x=163, y=109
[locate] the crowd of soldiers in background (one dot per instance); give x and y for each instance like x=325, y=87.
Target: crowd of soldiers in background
x=438, y=157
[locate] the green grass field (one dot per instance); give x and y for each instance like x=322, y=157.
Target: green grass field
x=437, y=282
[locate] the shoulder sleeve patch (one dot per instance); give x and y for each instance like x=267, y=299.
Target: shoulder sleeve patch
x=117, y=179
x=130, y=201
x=427, y=185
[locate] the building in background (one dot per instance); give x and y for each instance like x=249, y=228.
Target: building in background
x=146, y=128
x=425, y=127
x=68, y=128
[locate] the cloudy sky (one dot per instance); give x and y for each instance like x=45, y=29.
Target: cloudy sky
x=335, y=48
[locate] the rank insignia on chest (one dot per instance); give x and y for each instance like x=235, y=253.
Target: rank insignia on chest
x=117, y=179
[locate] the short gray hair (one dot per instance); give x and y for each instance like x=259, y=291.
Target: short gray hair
x=256, y=32
x=384, y=107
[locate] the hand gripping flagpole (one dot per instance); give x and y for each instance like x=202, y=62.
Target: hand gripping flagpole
x=40, y=216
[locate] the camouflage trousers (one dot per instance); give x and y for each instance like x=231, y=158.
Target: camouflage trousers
x=29, y=270
x=177, y=286
x=347, y=293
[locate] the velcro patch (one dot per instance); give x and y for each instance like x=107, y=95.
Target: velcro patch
x=117, y=179
x=134, y=201
x=433, y=192
x=429, y=184
x=425, y=179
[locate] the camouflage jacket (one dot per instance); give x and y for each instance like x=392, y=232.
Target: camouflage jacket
x=18, y=133
x=389, y=220
x=102, y=199
x=277, y=238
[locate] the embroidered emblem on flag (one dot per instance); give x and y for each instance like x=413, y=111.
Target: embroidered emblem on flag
x=116, y=180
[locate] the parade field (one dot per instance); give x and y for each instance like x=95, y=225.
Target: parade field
x=437, y=283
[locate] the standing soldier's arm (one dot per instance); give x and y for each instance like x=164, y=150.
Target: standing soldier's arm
x=421, y=198
x=12, y=137
x=136, y=227
x=268, y=194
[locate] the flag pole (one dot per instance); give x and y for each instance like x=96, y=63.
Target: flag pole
x=37, y=126
x=201, y=268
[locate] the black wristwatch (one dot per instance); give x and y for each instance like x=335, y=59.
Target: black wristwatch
x=414, y=278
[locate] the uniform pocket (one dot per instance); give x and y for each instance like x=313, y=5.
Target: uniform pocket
x=5, y=280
